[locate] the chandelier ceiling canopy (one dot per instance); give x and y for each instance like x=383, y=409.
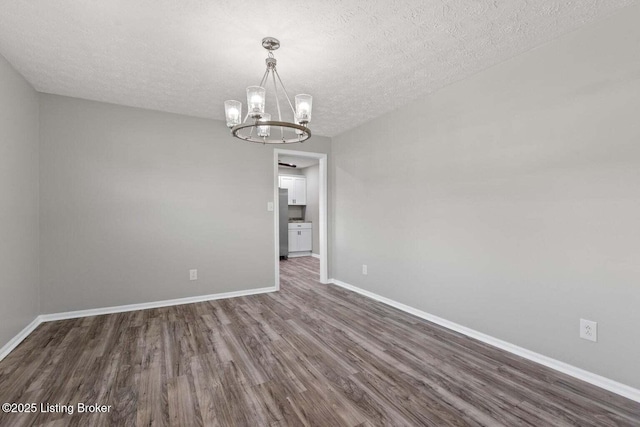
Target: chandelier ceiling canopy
x=261, y=126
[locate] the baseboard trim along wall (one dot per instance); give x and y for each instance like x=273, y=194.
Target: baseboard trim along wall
x=299, y=254
x=155, y=304
x=13, y=343
x=315, y=255
x=589, y=377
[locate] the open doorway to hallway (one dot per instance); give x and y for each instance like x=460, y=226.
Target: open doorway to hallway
x=301, y=209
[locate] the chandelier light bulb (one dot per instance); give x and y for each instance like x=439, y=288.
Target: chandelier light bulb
x=264, y=131
x=255, y=100
x=303, y=108
x=233, y=112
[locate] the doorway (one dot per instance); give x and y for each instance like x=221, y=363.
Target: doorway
x=303, y=214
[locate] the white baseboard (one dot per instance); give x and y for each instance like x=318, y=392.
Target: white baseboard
x=299, y=254
x=13, y=343
x=315, y=255
x=155, y=304
x=589, y=377
x=8, y=347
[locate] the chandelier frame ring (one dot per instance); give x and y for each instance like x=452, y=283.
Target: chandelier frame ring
x=306, y=132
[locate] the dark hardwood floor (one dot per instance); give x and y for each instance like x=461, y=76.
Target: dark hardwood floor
x=310, y=354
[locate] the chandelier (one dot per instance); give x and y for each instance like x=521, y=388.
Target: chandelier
x=258, y=125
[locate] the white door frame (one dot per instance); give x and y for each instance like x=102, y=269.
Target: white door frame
x=322, y=190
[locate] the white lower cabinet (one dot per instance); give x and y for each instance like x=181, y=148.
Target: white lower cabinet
x=300, y=237
x=293, y=240
x=305, y=240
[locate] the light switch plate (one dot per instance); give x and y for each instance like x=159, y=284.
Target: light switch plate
x=270, y=206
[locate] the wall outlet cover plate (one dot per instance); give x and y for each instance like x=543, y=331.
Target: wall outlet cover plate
x=589, y=330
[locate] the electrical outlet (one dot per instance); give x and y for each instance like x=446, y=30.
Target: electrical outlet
x=589, y=330
x=193, y=274
x=364, y=269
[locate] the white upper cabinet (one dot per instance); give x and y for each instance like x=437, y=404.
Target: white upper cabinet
x=300, y=191
x=297, y=186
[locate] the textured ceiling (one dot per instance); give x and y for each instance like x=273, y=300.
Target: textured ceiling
x=359, y=59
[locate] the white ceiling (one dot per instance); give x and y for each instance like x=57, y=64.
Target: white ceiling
x=359, y=59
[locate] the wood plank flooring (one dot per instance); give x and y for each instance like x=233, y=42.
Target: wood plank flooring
x=309, y=355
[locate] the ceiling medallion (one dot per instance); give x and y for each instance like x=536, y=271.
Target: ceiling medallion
x=257, y=125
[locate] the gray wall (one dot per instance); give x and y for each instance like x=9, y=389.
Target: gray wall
x=290, y=171
x=19, y=299
x=132, y=199
x=312, y=212
x=510, y=202
x=296, y=212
